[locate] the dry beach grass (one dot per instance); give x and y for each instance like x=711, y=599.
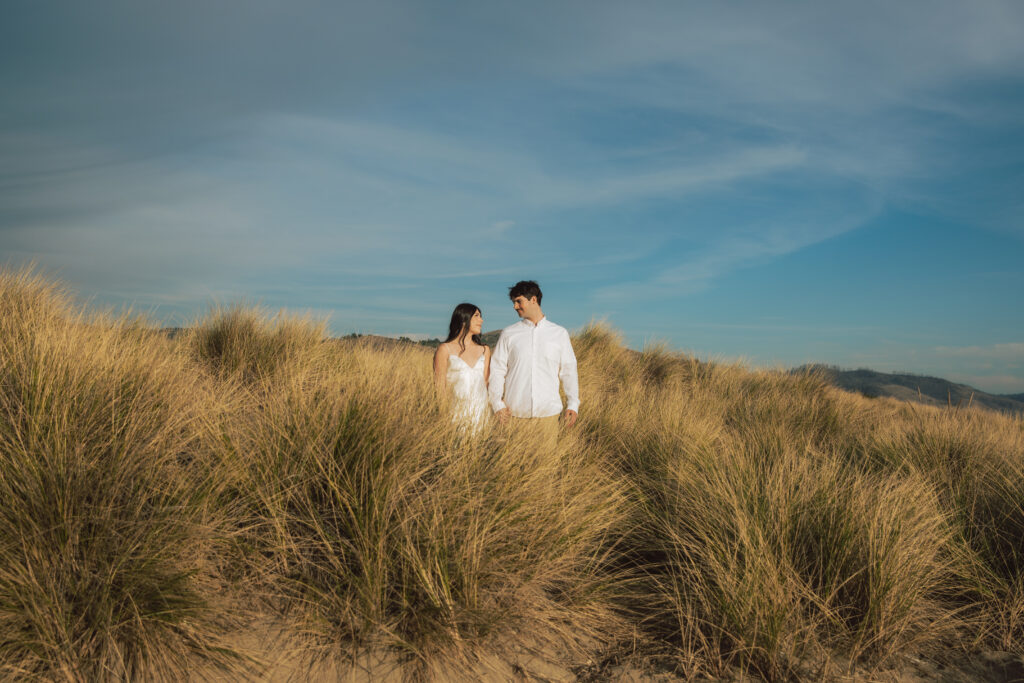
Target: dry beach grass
x=161, y=499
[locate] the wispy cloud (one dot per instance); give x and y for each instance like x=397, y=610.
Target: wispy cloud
x=744, y=245
x=673, y=182
x=1011, y=351
x=993, y=384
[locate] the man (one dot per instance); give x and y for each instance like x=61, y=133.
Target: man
x=530, y=358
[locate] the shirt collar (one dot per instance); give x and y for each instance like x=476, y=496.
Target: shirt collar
x=542, y=321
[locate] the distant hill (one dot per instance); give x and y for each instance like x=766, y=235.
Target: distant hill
x=489, y=338
x=920, y=388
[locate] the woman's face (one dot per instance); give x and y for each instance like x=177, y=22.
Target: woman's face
x=476, y=323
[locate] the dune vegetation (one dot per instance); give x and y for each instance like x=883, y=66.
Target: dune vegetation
x=161, y=498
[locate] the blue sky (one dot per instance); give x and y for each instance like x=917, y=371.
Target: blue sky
x=776, y=182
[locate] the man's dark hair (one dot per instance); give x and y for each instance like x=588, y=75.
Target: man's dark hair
x=527, y=288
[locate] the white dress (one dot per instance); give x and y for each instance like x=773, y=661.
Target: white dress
x=469, y=392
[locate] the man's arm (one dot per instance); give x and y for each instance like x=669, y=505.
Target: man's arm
x=568, y=375
x=499, y=365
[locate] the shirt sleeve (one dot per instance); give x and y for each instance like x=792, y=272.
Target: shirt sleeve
x=567, y=373
x=499, y=366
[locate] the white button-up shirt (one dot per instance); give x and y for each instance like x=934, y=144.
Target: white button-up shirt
x=528, y=362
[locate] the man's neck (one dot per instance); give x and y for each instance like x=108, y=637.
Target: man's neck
x=535, y=319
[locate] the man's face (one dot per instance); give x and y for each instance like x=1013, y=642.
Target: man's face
x=525, y=307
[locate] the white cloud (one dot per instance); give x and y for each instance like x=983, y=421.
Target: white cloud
x=741, y=246
x=993, y=384
x=1007, y=352
x=500, y=228
x=672, y=182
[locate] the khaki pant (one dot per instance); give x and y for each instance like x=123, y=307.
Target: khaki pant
x=544, y=429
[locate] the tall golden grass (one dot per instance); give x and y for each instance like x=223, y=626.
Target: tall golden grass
x=158, y=495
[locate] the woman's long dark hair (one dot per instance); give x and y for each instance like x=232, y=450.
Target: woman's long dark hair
x=458, y=328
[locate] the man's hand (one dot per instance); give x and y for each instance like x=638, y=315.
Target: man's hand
x=570, y=417
x=503, y=415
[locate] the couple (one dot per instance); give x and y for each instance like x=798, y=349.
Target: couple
x=520, y=381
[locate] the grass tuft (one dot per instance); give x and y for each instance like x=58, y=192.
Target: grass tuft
x=106, y=531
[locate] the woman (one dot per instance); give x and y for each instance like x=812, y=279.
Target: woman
x=462, y=366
